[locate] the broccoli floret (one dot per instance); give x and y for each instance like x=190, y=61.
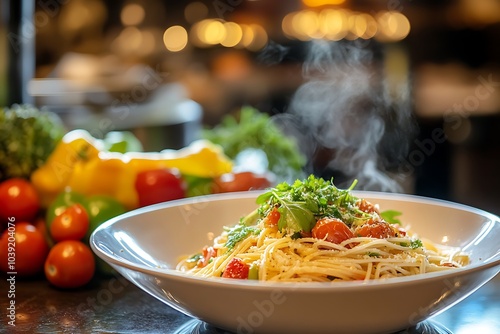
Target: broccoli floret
x=27, y=137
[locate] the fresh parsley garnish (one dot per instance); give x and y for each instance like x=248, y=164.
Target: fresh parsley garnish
x=373, y=254
x=301, y=203
x=414, y=244
x=417, y=243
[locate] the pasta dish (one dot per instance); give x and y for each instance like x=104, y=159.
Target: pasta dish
x=312, y=231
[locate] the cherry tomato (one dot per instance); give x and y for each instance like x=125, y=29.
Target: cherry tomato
x=208, y=253
x=60, y=203
x=23, y=249
x=331, y=229
x=375, y=229
x=70, y=264
x=159, y=185
x=273, y=217
x=240, y=181
x=72, y=224
x=236, y=268
x=42, y=227
x=19, y=199
x=367, y=206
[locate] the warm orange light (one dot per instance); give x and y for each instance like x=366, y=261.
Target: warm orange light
x=132, y=14
x=336, y=24
x=333, y=23
x=247, y=37
x=260, y=38
x=214, y=32
x=393, y=26
x=233, y=36
x=287, y=25
x=317, y=3
x=175, y=38
x=363, y=25
x=196, y=34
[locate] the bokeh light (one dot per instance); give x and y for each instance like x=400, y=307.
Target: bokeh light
x=195, y=12
x=132, y=14
x=175, y=38
x=336, y=24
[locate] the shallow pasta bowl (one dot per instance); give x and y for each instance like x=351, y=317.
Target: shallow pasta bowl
x=145, y=245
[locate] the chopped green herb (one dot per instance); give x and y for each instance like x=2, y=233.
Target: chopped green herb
x=373, y=254
x=238, y=233
x=414, y=244
x=417, y=243
x=390, y=216
x=195, y=258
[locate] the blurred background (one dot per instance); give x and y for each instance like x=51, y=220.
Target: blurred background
x=401, y=94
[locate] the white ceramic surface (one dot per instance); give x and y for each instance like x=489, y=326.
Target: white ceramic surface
x=144, y=246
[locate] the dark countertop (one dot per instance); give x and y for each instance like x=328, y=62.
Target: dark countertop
x=114, y=305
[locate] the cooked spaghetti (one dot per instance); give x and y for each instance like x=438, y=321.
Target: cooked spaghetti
x=311, y=231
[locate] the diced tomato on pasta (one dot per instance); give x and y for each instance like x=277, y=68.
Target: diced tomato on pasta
x=376, y=229
x=208, y=252
x=273, y=217
x=331, y=229
x=236, y=268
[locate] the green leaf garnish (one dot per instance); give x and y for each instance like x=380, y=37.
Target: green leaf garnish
x=390, y=216
x=295, y=217
x=301, y=203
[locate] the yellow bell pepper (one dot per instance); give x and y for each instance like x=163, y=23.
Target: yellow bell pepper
x=110, y=173
x=52, y=177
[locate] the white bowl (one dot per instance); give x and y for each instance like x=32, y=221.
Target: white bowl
x=145, y=245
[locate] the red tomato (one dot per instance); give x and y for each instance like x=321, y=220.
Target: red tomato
x=273, y=217
x=70, y=264
x=331, y=229
x=23, y=249
x=18, y=199
x=72, y=224
x=208, y=253
x=159, y=185
x=241, y=181
x=367, y=206
x=236, y=268
x=375, y=229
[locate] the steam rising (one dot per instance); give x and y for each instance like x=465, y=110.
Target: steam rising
x=346, y=106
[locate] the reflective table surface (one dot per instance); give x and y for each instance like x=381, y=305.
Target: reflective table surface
x=114, y=305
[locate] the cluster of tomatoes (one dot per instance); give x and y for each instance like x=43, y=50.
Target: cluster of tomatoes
x=28, y=248
x=54, y=242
